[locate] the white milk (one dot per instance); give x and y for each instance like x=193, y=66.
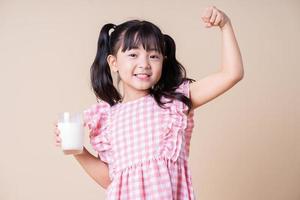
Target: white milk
x=71, y=133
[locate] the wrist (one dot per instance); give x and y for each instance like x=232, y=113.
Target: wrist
x=226, y=26
x=84, y=151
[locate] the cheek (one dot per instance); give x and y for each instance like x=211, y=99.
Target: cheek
x=158, y=68
x=158, y=73
x=125, y=72
x=124, y=67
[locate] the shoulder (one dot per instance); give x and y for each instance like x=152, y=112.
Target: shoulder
x=184, y=88
x=97, y=107
x=95, y=113
x=175, y=103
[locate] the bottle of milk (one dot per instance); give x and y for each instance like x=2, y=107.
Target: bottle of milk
x=71, y=132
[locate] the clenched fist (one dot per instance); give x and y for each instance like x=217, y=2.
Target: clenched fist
x=214, y=17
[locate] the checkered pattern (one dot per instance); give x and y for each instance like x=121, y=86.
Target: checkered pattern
x=146, y=147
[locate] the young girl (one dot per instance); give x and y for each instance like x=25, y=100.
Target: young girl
x=142, y=136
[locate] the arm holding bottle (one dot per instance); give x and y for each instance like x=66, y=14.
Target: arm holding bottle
x=93, y=166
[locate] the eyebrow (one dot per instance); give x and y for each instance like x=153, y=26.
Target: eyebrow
x=151, y=49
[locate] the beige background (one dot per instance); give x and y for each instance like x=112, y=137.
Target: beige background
x=246, y=143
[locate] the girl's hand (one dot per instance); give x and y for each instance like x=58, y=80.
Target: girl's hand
x=57, y=136
x=214, y=17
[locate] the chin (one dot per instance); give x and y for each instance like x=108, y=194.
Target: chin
x=143, y=88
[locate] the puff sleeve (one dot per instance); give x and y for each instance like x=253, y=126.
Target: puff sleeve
x=175, y=125
x=96, y=119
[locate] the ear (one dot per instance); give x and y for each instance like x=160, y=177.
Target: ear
x=112, y=62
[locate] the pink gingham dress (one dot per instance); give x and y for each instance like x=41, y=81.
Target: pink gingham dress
x=145, y=146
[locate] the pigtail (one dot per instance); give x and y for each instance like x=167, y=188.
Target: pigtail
x=101, y=79
x=173, y=71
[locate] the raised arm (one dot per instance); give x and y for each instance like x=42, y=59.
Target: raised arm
x=231, y=70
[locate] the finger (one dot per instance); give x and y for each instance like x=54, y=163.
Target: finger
x=57, y=132
x=218, y=20
x=207, y=14
x=56, y=136
x=213, y=16
x=57, y=144
x=208, y=24
x=57, y=140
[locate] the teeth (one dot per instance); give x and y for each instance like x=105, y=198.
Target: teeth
x=142, y=75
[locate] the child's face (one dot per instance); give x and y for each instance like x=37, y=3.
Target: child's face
x=138, y=69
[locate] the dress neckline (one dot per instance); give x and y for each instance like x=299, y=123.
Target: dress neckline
x=135, y=100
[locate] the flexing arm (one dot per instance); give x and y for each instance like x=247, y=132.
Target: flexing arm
x=231, y=69
x=94, y=167
x=231, y=63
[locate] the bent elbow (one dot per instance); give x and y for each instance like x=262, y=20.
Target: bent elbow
x=235, y=76
x=238, y=77
x=241, y=74
x=106, y=184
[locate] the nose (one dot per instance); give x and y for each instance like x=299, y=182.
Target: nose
x=144, y=62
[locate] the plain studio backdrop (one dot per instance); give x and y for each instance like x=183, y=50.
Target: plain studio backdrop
x=245, y=144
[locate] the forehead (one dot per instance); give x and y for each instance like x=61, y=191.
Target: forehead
x=140, y=48
x=148, y=41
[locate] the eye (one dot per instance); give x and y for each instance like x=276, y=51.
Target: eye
x=133, y=55
x=155, y=56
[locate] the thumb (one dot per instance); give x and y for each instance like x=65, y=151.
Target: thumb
x=208, y=24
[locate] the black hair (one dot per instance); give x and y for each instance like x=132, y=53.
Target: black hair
x=128, y=35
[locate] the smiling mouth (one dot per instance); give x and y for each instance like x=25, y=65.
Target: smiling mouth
x=142, y=75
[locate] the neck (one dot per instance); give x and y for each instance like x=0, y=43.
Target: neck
x=133, y=96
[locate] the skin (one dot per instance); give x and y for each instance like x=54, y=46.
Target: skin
x=135, y=61
x=230, y=72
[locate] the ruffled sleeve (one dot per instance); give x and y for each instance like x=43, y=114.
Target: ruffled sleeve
x=175, y=124
x=184, y=88
x=96, y=119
